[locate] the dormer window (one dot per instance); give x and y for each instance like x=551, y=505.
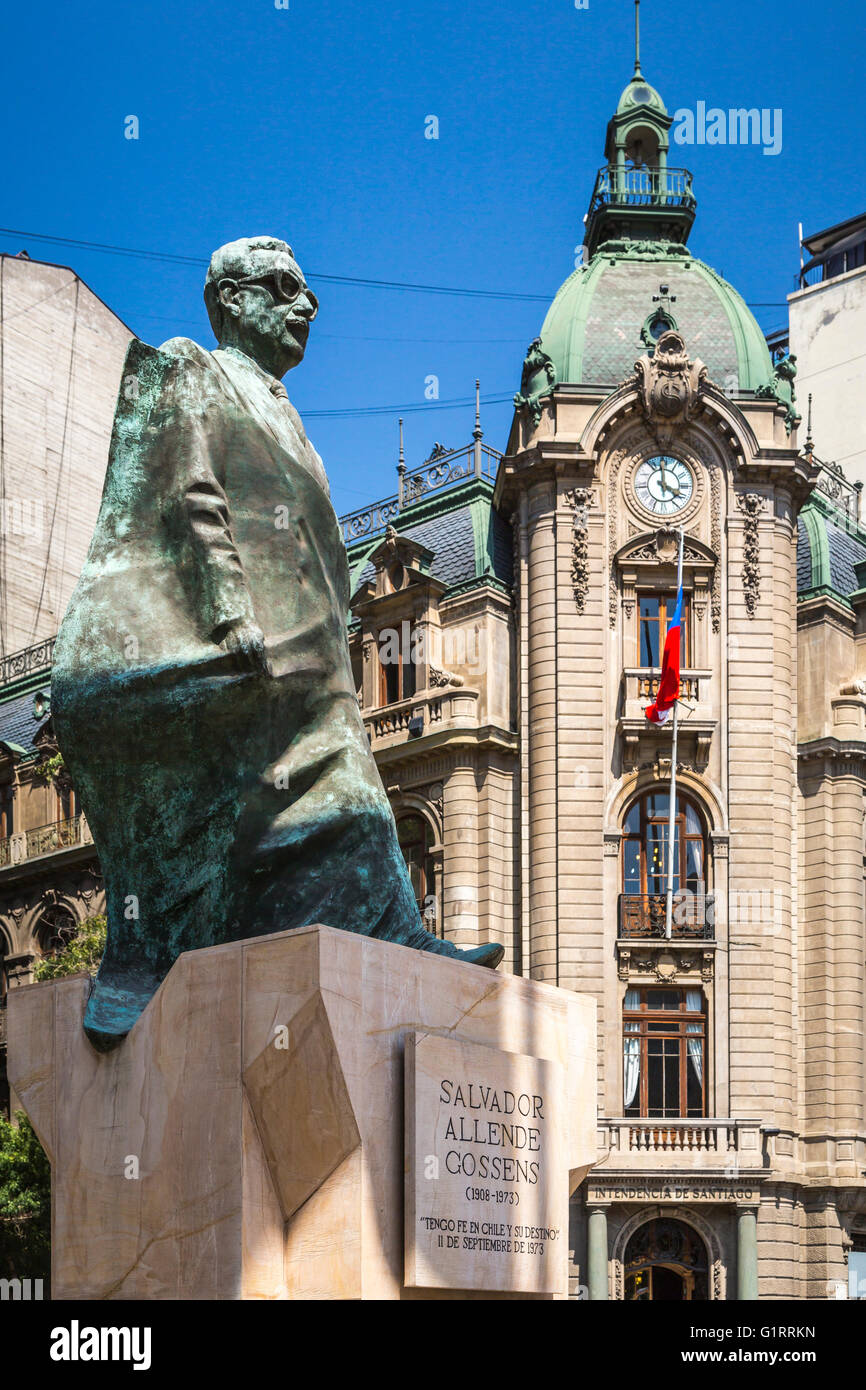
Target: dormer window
x=397, y=649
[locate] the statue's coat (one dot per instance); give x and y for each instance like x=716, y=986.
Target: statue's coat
x=224, y=804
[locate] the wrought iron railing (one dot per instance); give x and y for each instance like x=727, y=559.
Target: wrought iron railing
x=44, y=839
x=443, y=469
x=26, y=662
x=60, y=834
x=642, y=188
x=643, y=916
x=844, y=495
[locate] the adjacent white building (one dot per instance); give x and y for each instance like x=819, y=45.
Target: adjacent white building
x=827, y=319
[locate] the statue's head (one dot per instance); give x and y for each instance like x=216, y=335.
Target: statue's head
x=257, y=300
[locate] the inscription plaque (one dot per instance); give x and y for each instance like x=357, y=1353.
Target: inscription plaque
x=486, y=1169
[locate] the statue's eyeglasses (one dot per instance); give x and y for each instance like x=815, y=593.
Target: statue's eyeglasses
x=283, y=287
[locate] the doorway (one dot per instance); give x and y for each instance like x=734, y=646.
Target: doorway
x=665, y=1261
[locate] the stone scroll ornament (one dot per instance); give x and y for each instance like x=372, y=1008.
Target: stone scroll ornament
x=202, y=686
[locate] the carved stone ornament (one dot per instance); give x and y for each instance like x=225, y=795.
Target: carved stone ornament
x=751, y=504
x=439, y=679
x=781, y=389
x=537, y=381
x=669, y=382
x=579, y=499
x=663, y=963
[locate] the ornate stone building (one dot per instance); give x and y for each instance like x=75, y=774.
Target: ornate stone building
x=508, y=615
x=732, y=1141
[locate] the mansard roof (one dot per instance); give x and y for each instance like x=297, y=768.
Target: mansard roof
x=469, y=540
x=18, y=724
x=831, y=549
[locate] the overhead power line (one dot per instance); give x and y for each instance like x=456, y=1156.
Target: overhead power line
x=353, y=412
x=173, y=258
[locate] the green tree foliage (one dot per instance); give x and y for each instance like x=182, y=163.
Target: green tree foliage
x=83, y=952
x=25, y=1173
x=25, y=1203
x=52, y=768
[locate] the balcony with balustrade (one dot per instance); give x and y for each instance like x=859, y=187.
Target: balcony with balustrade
x=20, y=850
x=697, y=721
x=661, y=198
x=643, y=917
x=430, y=714
x=712, y=1146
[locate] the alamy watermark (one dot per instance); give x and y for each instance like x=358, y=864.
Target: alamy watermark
x=736, y=126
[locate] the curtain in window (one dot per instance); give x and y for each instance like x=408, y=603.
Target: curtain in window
x=631, y=1050
x=696, y=1051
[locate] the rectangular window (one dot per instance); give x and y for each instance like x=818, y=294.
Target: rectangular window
x=654, y=614
x=397, y=663
x=857, y=1268
x=664, y=1054
x=7, y=826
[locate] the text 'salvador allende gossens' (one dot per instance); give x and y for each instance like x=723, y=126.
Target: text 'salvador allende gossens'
x=503, y=1120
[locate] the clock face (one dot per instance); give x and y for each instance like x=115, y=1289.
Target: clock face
x=663, y=485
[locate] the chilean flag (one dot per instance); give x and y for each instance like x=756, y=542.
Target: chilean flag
x=669, y=685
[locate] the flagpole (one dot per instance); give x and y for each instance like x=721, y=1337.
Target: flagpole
x=669, y=904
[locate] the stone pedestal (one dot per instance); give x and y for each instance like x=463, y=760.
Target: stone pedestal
x=247, y=1138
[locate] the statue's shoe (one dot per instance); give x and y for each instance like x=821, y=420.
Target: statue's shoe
x=490, y=954
x=116, y=1001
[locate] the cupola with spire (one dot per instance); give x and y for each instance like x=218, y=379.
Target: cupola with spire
x=639, y=278
x=637, y=195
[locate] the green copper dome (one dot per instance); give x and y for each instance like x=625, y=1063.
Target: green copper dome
x=610, y=311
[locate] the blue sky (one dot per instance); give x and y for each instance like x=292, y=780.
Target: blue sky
x=309, y=123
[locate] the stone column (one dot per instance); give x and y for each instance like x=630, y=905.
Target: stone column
x=461, y=854
x=543, y=742
x=596, y=1260
x=747, y=1254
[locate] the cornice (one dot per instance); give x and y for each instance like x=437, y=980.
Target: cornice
x=844, y=749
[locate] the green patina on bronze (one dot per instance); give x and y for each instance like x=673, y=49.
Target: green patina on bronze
x=202, y=689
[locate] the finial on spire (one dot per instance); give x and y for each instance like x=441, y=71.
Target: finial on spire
x=478, y=433
x=401, y=469
x=810, y=444
x=637, y=71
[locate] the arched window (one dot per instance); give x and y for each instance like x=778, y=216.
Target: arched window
x=57, y=927
x=645, y=867
x=414, y=835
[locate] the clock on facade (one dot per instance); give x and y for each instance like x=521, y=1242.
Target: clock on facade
x=663, y=485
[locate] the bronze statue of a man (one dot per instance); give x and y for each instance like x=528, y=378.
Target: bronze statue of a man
x=202, y=689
